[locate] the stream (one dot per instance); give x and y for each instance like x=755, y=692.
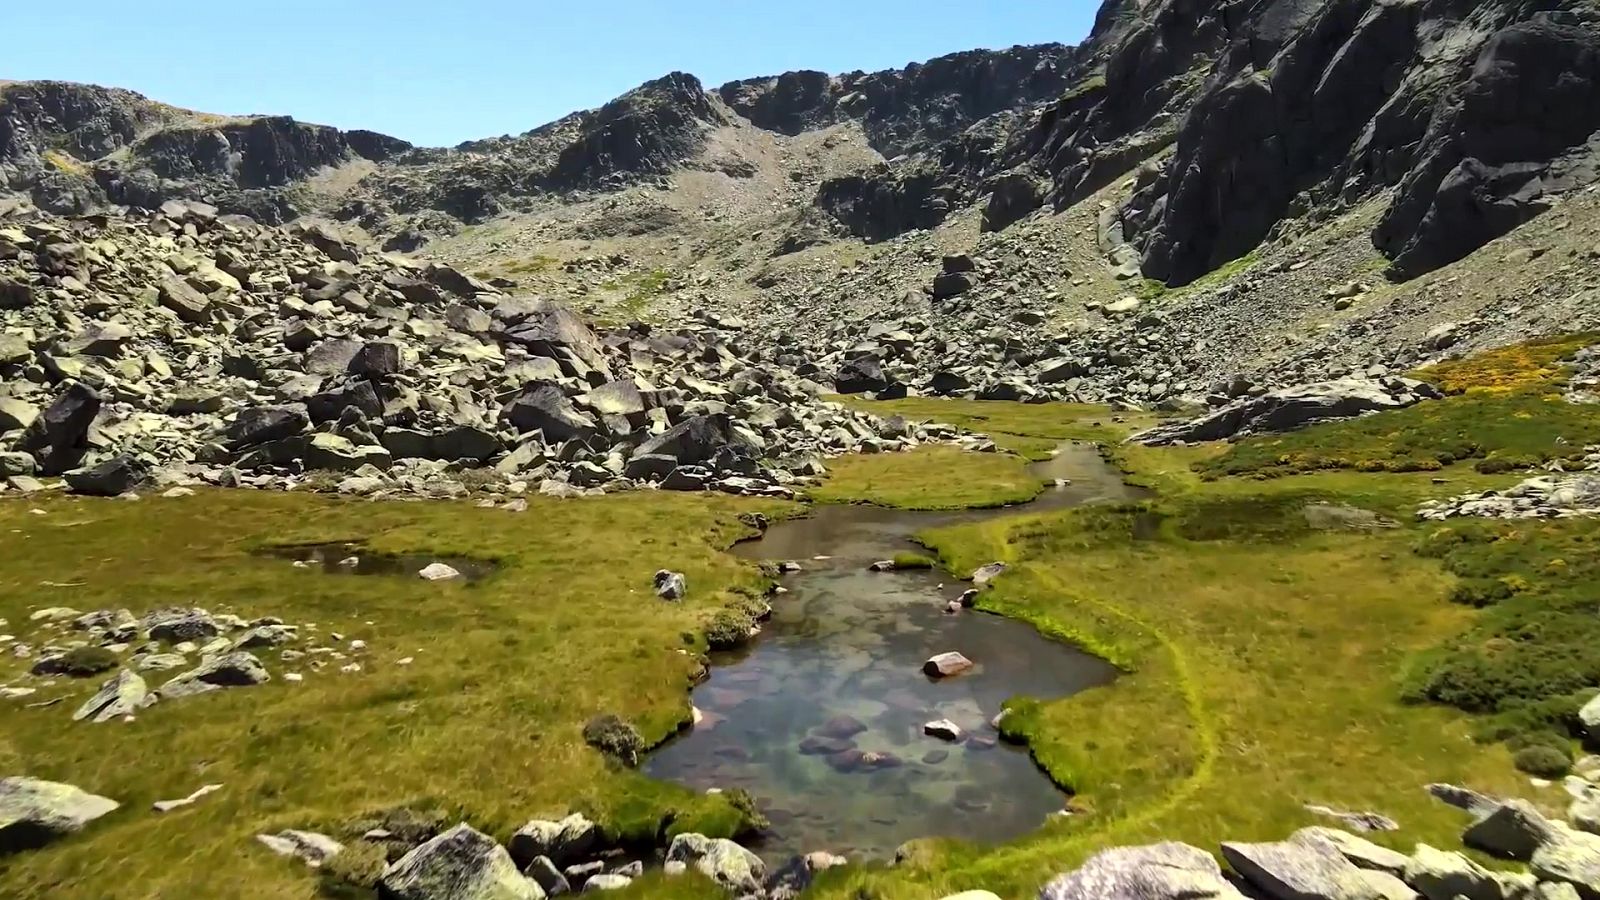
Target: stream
x=821, y=718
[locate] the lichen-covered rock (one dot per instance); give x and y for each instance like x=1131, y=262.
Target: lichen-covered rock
x=1306, y=867
x=460, y=864
x=564, y=842
x=232, y=670
x=1570, y=857
x=1444, y=875
x=123, y=695
x=1361, y=852
x=34, y=813
x=1514, y=830
x=721, y=860
x=1167, y=871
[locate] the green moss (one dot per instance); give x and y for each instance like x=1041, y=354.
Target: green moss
x=1543, y=761
x=86, y=662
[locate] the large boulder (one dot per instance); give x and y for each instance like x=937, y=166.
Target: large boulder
x=696, y=440
x=542, y=406
x=1361, y=852
x=1292, y=408
x=859, y=376
x=1514, y=830
x=460, y=864
x=58, y=438
x=549, y=329
x=1569, y=857
x=721, y=860
x=1168, y=871
x=261, y=424
x=1305, y=867
x=109, y=478
x=34, y=813
x=1446, y=875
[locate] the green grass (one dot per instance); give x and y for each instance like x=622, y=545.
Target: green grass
x=1262, y=662
x=1267, y=663
x=1505, y=411
x=532, y=265
x=638, y=290
x=485, y=724
x=932, y=477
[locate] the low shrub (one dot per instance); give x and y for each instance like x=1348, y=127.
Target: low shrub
x=86, y=662
x=1543, y=761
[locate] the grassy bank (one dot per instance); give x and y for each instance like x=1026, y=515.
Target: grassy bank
x=483, y=725
x=1267, y=630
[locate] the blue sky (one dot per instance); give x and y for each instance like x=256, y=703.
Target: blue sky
x=438, y=73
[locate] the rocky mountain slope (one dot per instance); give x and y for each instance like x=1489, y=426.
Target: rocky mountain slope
x=1202, y=201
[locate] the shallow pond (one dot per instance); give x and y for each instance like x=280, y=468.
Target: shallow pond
x=822, y=718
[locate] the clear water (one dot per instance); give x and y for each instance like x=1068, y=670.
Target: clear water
x=821, y=719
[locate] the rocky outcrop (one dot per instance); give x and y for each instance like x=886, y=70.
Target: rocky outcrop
x=1156, y=872
x=76, y=148
x=1292, y=408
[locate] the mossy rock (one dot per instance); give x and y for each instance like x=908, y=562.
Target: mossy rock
x=87, y=662
x=615, y=738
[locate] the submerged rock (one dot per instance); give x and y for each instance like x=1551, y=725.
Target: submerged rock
x=944, y=665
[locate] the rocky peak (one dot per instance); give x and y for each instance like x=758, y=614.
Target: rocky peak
x=909, y=109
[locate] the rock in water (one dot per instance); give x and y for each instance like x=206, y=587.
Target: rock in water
x=123, y=695
x=438, y=572
x=34, y=813
x=944, y=665
x=1306, y=867
x=721, y=860
x=1169, y=871
x=944, y=729
x=460, y=864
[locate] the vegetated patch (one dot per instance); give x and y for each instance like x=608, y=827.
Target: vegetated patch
x=65, y=162
x=638, y=290
x=904, y=561
x=1532, y=655
x=532, y=265
x=1505, y=410
x=935, y=477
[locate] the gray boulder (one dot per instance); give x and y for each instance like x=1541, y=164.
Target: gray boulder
x=859, y=376
x=34, y=813
x=460, y=864
x=1293, y=408
x=180, y=624
x=238, y=669
x=261, y=424
x=1513, y=830
x=58, y=438
x=561, y=842
x=670, y=585
x=109, y=478
x=1306, y=867
x=542, y=406
x=696, y=440
x=1361, y=852
x=1443, y=875
x=1589, y=715
x=721, y=860
x=123, y=695
x=1169, y=871
x=1569, y=857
